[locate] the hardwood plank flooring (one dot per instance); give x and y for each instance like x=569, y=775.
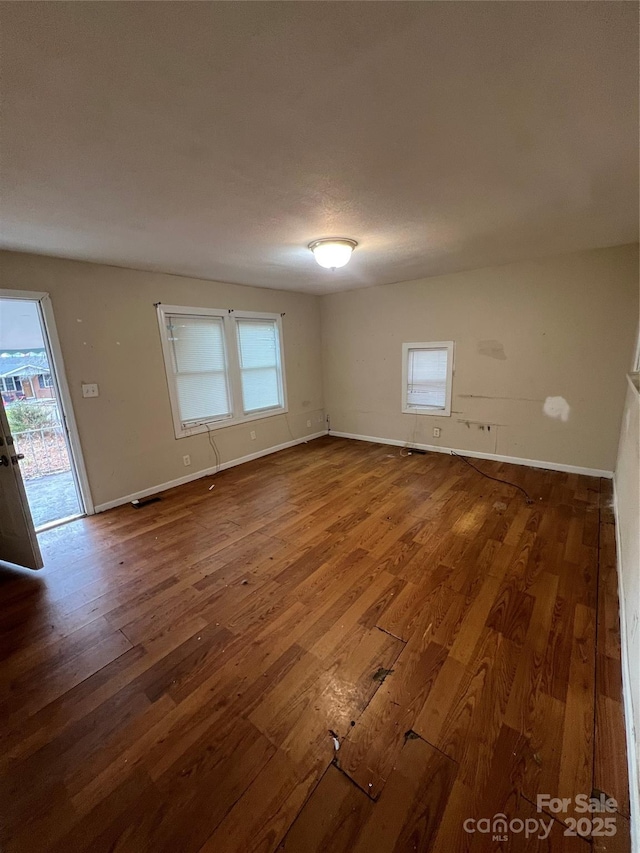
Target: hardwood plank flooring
x=337, y=648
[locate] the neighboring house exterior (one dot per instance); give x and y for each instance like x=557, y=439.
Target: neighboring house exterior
x=25, y=375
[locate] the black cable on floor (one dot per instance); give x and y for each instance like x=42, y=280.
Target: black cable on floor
x=496, y=479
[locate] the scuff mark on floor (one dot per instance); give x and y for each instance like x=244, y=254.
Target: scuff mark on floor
x=380, y=674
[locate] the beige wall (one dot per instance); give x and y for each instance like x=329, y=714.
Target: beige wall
x=109, y=334
x=561, y=327
x=627, y=486
x=565, y=326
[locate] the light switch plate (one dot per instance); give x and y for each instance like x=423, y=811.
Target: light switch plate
x=90, y=390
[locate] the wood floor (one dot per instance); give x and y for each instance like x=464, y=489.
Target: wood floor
x=178, y=677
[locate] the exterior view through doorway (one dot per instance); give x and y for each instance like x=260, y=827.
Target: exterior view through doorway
x=33, y=392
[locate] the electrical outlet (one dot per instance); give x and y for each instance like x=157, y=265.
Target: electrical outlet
x=436, y=432
x=308, y=423
x=90, y=390
x=253, y=435
x=186, y=460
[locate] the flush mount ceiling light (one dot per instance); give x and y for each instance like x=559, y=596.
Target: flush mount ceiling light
x=333, y=252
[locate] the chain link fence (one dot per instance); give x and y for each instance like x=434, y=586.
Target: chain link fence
x=44, y=449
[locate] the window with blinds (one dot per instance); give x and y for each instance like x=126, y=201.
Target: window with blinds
x=222, y=367
x=200, y=367
x=427, y=377
x=259, y=354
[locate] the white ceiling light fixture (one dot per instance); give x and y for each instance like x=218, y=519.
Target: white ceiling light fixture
x=333, y=252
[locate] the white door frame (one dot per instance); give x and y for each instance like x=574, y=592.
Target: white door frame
x=54, y=352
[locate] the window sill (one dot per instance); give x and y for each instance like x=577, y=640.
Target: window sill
x=438, y=413
x=210, y=426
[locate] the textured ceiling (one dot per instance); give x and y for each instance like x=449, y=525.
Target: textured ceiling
x=218, y=139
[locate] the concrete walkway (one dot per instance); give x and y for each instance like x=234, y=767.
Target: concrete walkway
x=52, y=497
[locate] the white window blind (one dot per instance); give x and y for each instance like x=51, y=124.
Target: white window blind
x=260, y=373
x=427, y=378
x=200, y=369
x=223, y=367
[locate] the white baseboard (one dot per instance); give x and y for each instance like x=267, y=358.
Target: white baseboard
x=188, y=478
x=514, y=460
x=205, y=472
x=634, y=798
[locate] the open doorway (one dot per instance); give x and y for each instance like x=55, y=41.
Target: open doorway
x=30, y=389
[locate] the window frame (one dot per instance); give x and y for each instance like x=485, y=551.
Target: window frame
x=4, y=381
x=428, y=410
x=232, y=355
x=245, y=315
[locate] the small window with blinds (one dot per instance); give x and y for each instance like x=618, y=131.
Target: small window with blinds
x=260, y=373
x=427, y=378
x=199, y=365
x=222, y=367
